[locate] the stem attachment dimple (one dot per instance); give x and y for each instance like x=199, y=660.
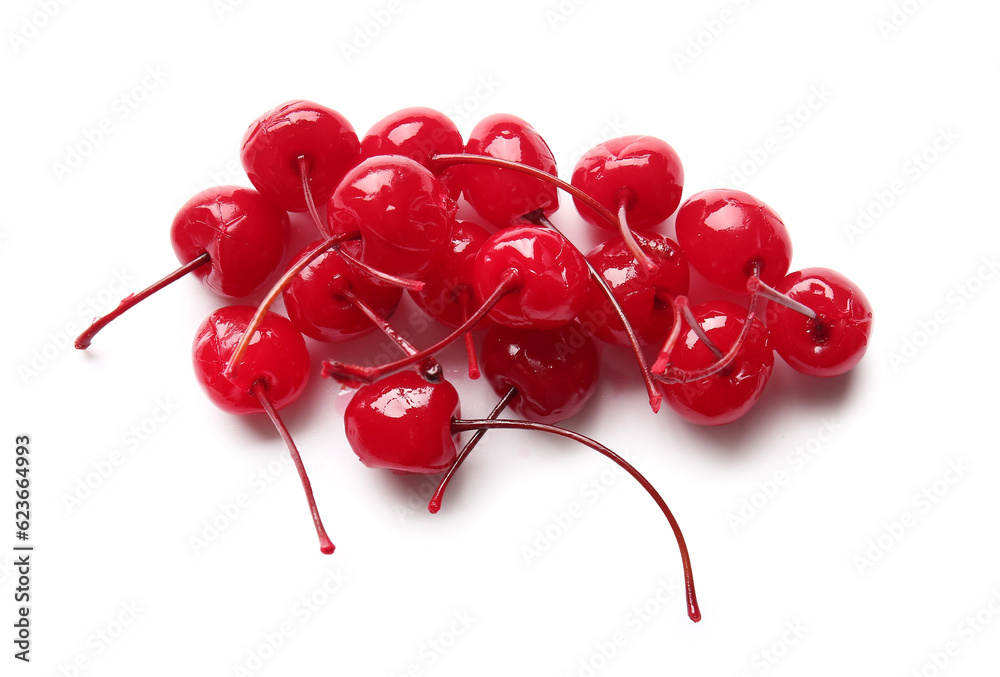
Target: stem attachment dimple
x=459, y=425
x=259, y=389
x=84, y=339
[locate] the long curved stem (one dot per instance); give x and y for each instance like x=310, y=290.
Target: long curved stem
x=352, y=374
x=435, y=503
x=272, y=295
x=630, y=242
x=402, y=282
x=260, y=390
x=470, y=347
x=460, y=425
x=431, y=370
x=310, y=202
x=84, y=339
x=651, y=390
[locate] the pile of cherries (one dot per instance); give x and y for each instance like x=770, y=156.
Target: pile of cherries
x=390, y=227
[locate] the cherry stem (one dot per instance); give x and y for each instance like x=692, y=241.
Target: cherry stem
x=307, y=191
x=272, y=295
x=757, y=286
x=461, y=425
x=259, y=388
x=430, y=369
x=630, y=242
x=699, y=332
x=350, y=374
x=663, y=359
x=654, y=395
x=470, y=346
x=84, y=339
x=435, y=503
x=409, y=285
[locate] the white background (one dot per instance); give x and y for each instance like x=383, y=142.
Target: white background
x=718, y=81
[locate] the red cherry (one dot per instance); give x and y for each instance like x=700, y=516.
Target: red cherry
x=725, y=233
x=448, y=285
x=836, y=338
x=318, y=301
x=644, y=295
x=554, y=278
x=404, y=214
x=728, y=394
x=553, y=370
x=244, y=235
x=278, y=357
x=403, y=423
x=417, y=133
x=275, y=142
x=643, y=173
x=273, y=374
x=231, y=238
x=503, y=197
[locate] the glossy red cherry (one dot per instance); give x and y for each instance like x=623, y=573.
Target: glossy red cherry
x=403, y=212
x=278, y=357
x=403, y=423
x=832, y=342
x=643, y=173
x=417, y=133
x=500, y=196
x=644, y=296
x=244, y=235
x=729, y=394
x=231, y=238
x=275, y=141
x=273, y=375
x=448, y=285
x=554, y=278
x=554, y=371
x=319, y=300
x=725, y=233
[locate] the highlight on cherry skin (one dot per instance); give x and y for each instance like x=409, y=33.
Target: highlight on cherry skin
x=417, y=133
x=826, y=330
x=274, y=143
x=730, y=393
x=646, y=296
x=503, y=197
x=725, y=233
x=229, y=237
x=272, y=375
x=403, y=212
x=404, y=424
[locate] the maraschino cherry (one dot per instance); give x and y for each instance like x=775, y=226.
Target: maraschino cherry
x=727, y=393
x=272, y=375
x=229, y=237
x=297, y=153
x=727, y=233
x=405, y=424
x=819, y=321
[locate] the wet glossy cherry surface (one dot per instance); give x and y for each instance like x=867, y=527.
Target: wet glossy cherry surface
x=554, y=277
x=837, y=339
x=274, y=142
x=643, y=172
x=452, y=276
x=403, y=423
x=277, y=356
x=244, y=234
x=502, y=196
x=724, y=232
x=729, y=394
